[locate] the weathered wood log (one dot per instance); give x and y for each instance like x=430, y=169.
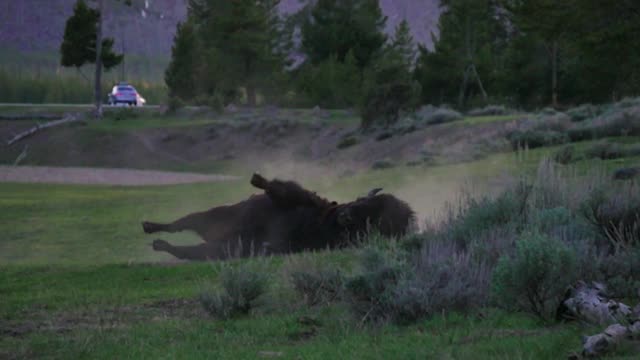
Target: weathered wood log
x=599, y=344
x=589, y=303
x=35, y=129
x=22, y=155
x=20, y=117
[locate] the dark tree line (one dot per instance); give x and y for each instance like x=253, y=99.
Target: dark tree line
x=531, y=53
x=524, y=53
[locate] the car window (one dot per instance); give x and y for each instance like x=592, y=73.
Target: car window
x=126, y=89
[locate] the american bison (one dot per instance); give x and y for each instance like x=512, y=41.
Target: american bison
x=286, y=218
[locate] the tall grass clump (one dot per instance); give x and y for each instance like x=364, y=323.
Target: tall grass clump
x=240, y=289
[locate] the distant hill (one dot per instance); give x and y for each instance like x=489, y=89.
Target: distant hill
x=38, y=26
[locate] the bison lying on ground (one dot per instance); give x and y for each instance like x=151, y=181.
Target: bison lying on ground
x=286, y=218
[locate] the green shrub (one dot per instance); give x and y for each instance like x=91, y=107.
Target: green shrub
x=616, y=122
x=175, y=103
x=441, y=116
x=537, y=138
x=583, y=112
x=628, y=102
x=626, y=173
x=565, y=155
x=491, y=110
x=615, y=214
x=434, y=277
x=547, y=219
x=240, y=289
x=443, y=278
x=347, y=142
x=608, y=151
x=621, y=273
x=318, y=286
x=548, y=111
x=370, y=294
x=382, y=164
x=605, y=151
x=384, y=135
x=476, y=216
x=535, y=278
x=124, y=113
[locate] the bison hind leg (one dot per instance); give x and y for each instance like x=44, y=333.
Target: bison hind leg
x=199, y=252
x=150, y=227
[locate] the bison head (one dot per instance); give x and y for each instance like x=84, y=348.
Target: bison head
x=356, y=213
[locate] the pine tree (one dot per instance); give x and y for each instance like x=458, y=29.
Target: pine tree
x=404, y=44
x=389, y=87
x=240, y=43
x=465, y=55
x=180, y=75
x=606, y=36
x=336, y=27
x=546, y=21
x=78, y=46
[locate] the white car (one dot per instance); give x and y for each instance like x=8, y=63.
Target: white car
x=126, y=94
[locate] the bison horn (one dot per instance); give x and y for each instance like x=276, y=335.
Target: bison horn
x=374, y=192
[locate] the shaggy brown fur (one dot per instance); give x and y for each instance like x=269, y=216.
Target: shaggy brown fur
x=286, y=218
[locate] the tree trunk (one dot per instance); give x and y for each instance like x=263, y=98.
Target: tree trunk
x=250, y=87
x=98, y=75
x=463, y=88
x=475, y=72
x=251, y=95
x=554, y=74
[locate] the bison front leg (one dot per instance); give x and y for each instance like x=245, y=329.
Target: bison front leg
x=200, y=252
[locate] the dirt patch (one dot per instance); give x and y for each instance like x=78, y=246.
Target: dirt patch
x=97, y=176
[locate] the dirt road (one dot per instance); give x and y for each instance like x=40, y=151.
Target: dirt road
x=99, y=176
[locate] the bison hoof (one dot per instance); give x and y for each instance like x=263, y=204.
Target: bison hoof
x=160, y=245
x=258, y=181
x=149, y=227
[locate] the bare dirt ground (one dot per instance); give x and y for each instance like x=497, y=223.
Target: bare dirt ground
x=96, y=176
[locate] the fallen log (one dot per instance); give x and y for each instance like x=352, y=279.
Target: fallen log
x=38, y=127
x=589, y=303
x=30, y=117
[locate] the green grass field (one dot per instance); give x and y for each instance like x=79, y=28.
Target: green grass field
x=78, y=278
